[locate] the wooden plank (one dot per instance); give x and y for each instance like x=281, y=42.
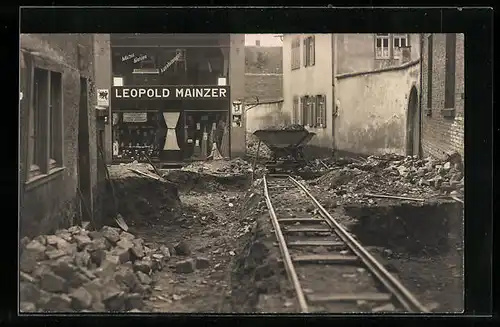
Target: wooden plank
x=349, y=297
x=316, y=243
x=384, y=196
x=317, y=229
x=325, y=258
x=300, y=220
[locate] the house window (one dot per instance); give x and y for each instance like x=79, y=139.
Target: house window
x=449, y=88
x=430, y=63
x=399, y=41
x=314, y=112
x=321, y=111
x=295, y=60
x=45, y=123
x=382, y=46
x=296, y=118
x=309, y=51
x=305, y=112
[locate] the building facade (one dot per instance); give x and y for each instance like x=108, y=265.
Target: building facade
x=172, y=97
x=60, y=181
x=443, y=97
x=352, y=90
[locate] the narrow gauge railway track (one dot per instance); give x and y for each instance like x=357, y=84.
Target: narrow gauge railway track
x=330, y=271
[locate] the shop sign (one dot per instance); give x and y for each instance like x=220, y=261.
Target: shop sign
x=169, y=93
x=103, y=97
x=135, y=117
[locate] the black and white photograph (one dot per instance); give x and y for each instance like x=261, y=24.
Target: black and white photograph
x=242, y=173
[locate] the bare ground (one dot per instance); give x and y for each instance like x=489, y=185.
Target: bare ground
x=209, y=230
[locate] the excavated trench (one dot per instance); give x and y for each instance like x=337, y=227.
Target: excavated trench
x=419, y=243
x=422, y=242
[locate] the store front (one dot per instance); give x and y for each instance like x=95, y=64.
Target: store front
x=168, y=123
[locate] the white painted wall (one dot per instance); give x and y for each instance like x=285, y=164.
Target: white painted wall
x=312, y=80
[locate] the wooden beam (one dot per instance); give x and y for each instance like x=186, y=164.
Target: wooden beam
x=349, y=297
x=325, y=258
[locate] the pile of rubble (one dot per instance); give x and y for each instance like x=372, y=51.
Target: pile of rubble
x=396, y=175
x=232, y=167
x=80, y=270
x=253, y=145
x=288, y=127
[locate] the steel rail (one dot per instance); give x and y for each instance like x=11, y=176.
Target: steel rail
x=409, y=302
x=287, y=260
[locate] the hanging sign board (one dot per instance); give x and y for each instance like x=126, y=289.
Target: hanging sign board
x=237, y=108
x=135, y=117
x=103, y=97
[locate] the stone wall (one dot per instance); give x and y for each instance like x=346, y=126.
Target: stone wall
x=52, y=201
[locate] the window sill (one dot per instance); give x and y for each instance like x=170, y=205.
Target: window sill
x=448, y=112
x=41, y=179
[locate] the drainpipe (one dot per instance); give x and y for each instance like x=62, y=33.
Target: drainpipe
x=420, y=97
x=334, y=86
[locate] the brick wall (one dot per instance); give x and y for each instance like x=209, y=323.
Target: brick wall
x=266, y=87
x=263, y=73
x=53, y=202
x=263, y=59
x=441, y=134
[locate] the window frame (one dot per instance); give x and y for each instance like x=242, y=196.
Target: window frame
x=321, y=111
x=450, y=68
x=430, y=64
x=304, y=110
x=382, y=37
x=295, y=54
x=397, y=50
x=295, y=109
x=45, y=151
x=313, y=108
x=309, y=51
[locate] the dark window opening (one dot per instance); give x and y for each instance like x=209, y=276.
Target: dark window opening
x=429, y=71
x=449, y=89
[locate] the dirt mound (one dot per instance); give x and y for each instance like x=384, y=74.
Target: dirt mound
x=189, y=181
x=78, y=270
x=232, y=167
x=142, y=200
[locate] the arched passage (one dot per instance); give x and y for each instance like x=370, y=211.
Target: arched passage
x=413, y=124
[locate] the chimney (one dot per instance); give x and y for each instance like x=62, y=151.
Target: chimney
x=257, y=43
x=405, y=55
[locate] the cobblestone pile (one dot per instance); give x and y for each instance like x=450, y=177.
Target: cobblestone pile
x=80, y=270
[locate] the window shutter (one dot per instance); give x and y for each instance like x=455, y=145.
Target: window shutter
x=313, y=51
x=305, y=53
